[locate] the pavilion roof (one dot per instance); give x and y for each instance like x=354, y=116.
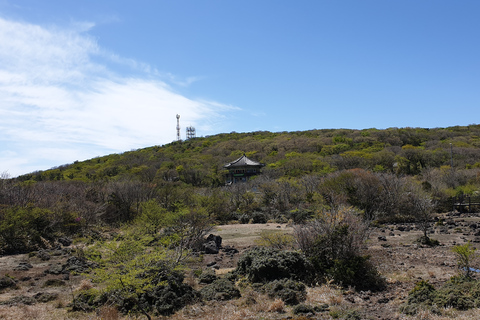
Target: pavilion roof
x=243, y=161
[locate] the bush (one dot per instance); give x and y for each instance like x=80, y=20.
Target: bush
x=332, y=243
x=356, y=272
x=268, y=264
x=207, y=277
x=460, y=292
x=302, y=309
x=221, y=290
x=291, y=292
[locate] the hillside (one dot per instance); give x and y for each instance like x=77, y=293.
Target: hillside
x=290, y=154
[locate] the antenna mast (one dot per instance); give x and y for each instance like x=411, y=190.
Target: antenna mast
x=178, y=128
x=191, y=132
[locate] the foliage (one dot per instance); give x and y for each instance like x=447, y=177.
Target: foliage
x=276, y=239
x=207, y=277
x=141, y=278
x=221, y=290
x=265, y=264
x=303, y=309
x=332, y=242
x=24, y=229
x=465, y=255
x=459, y=292
x=291, y=292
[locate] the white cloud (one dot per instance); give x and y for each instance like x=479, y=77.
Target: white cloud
x=57, y=105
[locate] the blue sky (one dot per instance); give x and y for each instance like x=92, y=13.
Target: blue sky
x=80, y=79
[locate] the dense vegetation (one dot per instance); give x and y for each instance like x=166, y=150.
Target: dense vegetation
x=332, y=184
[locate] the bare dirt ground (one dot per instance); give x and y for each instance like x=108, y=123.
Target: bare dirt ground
x=42, y=290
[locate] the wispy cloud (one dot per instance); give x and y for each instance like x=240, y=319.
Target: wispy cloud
x=59, y=104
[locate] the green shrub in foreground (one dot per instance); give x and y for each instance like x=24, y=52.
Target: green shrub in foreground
x=268, y=264
x=459, y=292
x=221, y=290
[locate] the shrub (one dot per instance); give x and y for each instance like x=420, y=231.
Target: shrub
x=302, y=309
x=221, y=290
x=459, y=292
x=332, y=243
x=22, y=229
x=291, y=292
x=465, y=255
x=268, y=264
x=207, y=277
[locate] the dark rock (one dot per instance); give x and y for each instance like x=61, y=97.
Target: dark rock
x=65, y=241
x=211, y=264
x=216, y=239
x=56, y=269
x=210, y=247
x=21, y=267
x=44, y=255
x=45, y=297
x=382, y=238
x=77, y=265
x=383, y=300
x=230, y=250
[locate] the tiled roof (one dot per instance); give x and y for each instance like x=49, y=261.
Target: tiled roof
x=242, y=162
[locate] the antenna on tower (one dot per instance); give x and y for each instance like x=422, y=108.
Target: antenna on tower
x=178, y=128
x=191, y=132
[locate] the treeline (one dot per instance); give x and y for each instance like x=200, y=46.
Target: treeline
x=386, y=174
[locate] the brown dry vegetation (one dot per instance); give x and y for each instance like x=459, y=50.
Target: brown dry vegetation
x=398, y=258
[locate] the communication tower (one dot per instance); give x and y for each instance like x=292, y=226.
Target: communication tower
x=191, y=132
x=178, y=128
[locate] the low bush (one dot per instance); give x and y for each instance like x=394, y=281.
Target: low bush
x=303, y=309
x=459, y=292
x=220, y=290
x=207, y=277
x=268, y=264
x=291, y=292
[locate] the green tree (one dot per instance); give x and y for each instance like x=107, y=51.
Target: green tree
x=465, y=255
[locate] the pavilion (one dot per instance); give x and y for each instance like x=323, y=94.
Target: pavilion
x=242, y=169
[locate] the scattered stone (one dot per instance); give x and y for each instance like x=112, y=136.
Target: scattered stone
x=210, y=247
x=382, y=238
x=45, y=297
x=65, y=241
x=211, y=264
x=229, y=250
x=23, y=266
x=78, y=265
x=56, y=269
x=383, y=300
x=44, y=255
x=212, y=244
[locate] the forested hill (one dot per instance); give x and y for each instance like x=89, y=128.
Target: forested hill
x=199, y=161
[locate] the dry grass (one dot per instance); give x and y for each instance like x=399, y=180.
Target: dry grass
x=277, y=306
x=326, y=293
x=109, y=313
x=84, y=285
